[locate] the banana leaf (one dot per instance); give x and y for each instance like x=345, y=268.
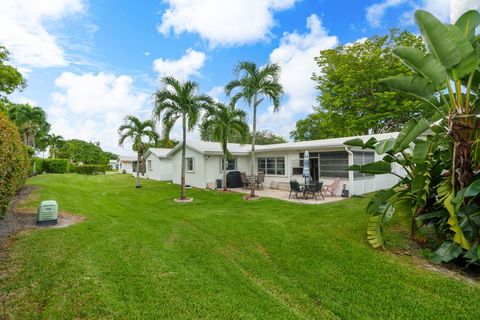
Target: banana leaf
x=410, y=132
x=377, y=167
x=419, y=62
x=438, y=40
x=446, y=252
x=416, y=86
x=469, y=60
x=468, y=23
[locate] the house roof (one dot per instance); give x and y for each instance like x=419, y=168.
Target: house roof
x=324, y=143
x=127, y=158
x=159, y=152
x=206, y=147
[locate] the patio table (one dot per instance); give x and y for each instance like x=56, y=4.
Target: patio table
x=307, y=187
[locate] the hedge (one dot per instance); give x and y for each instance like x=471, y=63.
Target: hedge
x=91, y=169
x=52, y=165
x=14, y=162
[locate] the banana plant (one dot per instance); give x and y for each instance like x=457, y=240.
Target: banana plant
x=440, y=158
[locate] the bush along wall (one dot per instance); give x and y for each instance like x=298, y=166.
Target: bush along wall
x=14, y=163
x=90, y=169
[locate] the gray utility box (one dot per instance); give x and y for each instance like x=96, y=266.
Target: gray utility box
x=47, y=213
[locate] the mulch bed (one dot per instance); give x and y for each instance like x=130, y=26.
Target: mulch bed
x=20, y=219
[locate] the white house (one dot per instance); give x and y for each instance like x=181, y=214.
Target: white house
x=283, y=162
x=158, y=164
x=126, y=163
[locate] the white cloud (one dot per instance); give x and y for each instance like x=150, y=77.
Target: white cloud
x=92, y=106
x=188, y=65
x=217, y=93
x=445, y=10
x=376, y=11
x=461, y=6
x=223, y=22
x=24, y=33
x=295, y=55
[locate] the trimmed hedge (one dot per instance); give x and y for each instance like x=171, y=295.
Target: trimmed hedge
x=91, y=169
x=52, y=165
x=14, y=162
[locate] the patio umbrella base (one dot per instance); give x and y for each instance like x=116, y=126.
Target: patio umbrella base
x=249, y=197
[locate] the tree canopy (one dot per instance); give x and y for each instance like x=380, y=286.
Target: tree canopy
x=263, y=137
x=82, y=151
x=352, y=100
x=10, y=78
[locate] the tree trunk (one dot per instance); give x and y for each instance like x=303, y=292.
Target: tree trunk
x=182, y=179
x=137, y=185
x=34, y=170
x=254, y=134
x=225, y=163
x=462, y=132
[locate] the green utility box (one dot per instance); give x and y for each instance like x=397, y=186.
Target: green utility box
x=47, y=213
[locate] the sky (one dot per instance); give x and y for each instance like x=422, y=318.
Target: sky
x=89, y=63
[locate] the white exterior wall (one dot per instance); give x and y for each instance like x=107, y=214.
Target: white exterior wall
x=127, y=166
x=213, y=167
x=194, y=179
x=161, y=168
x=291, y=157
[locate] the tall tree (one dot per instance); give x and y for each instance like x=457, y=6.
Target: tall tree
x=82, y=151
x=54, y=142
x=10, y=78
x=352, y=100
x=224, y=122
x=30, y=121
x=138, y=131
x=253, y=85
x=179, y=100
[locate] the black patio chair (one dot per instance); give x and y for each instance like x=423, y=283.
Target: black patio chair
x=294, y=189
x=316, y=190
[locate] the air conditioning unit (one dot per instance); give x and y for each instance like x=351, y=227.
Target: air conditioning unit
x=47, y=213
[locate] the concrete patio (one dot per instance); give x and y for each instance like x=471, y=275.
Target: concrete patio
x=283, y=195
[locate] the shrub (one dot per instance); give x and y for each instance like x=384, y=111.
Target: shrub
x=55, y=166
x=14, y=163
x=38, y=165
x=90, y=169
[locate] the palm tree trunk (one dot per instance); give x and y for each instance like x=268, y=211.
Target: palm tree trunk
x=254, y=133
x=182, y=178
x=138, y=171
x=225, y=163
x=34, y=171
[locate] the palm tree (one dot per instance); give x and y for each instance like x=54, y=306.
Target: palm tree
x=179, y=100
x=29, y=120
x=54, y=143
x=253, y=85
x=225, y=121
x=137, y=130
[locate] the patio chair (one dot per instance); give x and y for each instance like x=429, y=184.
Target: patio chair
x=245, y=181
x=331, y=188
x=294, y=189
x=260, y=180
x=317, y=190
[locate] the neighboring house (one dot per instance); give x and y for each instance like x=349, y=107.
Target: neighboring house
x=114, y=164
x=158, y=164
x=127, y=163
x=283, y=162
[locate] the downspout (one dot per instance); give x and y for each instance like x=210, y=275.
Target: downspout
x=350, y=173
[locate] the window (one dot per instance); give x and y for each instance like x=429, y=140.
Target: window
x=149, y=164
x=134, y=166
x=333, y=164
x=271, y=165
x=231, y=164
x=361, y=158
x=189, y=165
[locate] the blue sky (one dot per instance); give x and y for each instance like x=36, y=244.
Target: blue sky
x=89, y=63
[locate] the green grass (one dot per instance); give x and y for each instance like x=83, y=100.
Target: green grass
x=139, y=255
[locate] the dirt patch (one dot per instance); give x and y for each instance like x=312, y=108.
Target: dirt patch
x=20, y=219
x=248, y=197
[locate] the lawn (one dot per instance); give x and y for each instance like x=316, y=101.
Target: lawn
x=139, y=255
